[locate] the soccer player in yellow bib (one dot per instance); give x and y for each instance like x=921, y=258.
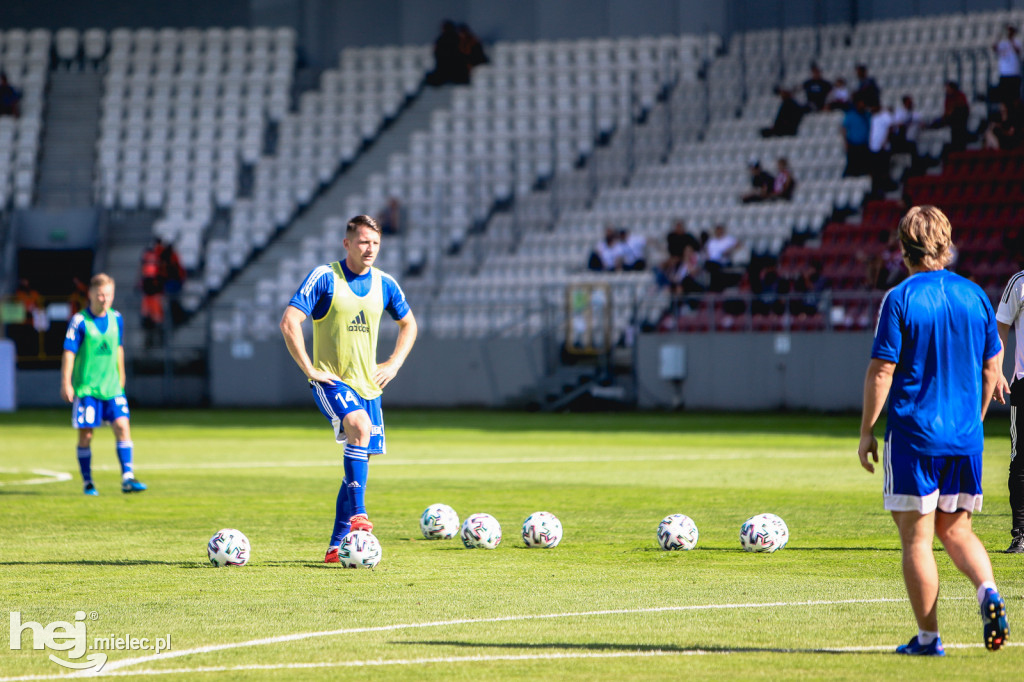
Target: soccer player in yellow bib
x=92, y=380
x=346, y=300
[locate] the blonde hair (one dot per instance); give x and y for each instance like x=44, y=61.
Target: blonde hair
x=100, y=279
x=926, y=237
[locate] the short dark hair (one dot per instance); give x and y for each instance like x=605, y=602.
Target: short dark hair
x=362, y=221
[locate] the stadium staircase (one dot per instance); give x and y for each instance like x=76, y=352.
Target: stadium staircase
x=70, y=128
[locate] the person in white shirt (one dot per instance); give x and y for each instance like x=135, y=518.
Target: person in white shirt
x=1008, y=315
x=880, y=150
x=718, y=256
x=632, y=250
x=906, y=126
x=1008, y=52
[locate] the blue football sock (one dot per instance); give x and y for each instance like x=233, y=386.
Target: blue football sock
x=85, y=463
x=357, y=465
x=342, y=513
x=124, y=455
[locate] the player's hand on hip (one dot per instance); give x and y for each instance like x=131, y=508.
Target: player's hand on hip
x=384, y=373
x=868, y=446
x=322, y=377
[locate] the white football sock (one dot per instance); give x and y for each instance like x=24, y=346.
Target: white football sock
x=987, y=585
x=926, y=637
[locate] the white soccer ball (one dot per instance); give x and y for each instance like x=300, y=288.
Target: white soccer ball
x=542, y=529
x=439, y=522
x=764, y=533
x=481, y=531
x=228, y=547
x=359, y=549
x=677, y=531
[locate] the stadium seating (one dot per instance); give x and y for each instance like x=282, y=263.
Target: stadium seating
x=24, y=57
x=181, y=111
x=538, y=118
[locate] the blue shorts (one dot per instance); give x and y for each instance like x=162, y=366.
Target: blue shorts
x=89, y=413
x=923, y=484
x=337, y=400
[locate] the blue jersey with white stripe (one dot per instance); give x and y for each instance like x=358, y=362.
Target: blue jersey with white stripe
x=939, y=329
x=317, y=289
x=76, y=328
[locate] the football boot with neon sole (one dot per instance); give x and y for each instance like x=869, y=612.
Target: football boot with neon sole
x=993, y=620
x=90, y=489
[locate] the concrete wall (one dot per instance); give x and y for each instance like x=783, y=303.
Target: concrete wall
x=763, y=371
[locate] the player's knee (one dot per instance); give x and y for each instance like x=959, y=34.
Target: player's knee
x=357, y=428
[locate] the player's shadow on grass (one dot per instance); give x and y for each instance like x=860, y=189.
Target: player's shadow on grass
x=605, y=646
x=659, y=550
x=111, y=562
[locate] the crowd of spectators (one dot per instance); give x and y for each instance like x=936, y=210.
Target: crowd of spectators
x=767, y=187
x=619, y=251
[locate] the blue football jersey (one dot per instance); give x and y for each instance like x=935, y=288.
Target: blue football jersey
x=939, y=329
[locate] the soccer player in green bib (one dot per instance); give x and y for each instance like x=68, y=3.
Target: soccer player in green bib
x=92, y=380
x=346, y=300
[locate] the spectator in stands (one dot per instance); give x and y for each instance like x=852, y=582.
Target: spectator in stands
x=768, y=290
x=906, y=126
x=632, y=250
x=79, y=297
x=956, y=110
x=838, y=98
x=816, y=89
x=867, y=87
x=471, y=47
x=450, y=64
x=1009, y=51
x=784, y=182
x=811, y=283
x=685, y=274
x=1003, y=130
x=880, y=152
x=30, y=300
x=678, y=239
x=761, y=183
x=9, y=98
x=173, y=275
x=718, y=253
x=152, y=293
x=855, y=129
x=787, y=119
x=392, y=217
x=606, y=255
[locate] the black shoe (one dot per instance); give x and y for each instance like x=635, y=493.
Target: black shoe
x=1017, y=543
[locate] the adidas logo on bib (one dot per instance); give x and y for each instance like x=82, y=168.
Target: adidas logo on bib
x=358, y=323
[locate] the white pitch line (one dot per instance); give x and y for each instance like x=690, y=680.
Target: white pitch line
x=383, y=460
x=47, y=477
x=476, y=659
x=114, y=665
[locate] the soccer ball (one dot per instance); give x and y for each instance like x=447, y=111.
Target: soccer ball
x=359, y=549
x=542, y=529
x=481, y=531
x=764, y=533
x=439, y=522
x=677, y=531
x=228, y=547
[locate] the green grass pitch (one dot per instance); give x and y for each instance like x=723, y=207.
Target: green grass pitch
x=605, y=604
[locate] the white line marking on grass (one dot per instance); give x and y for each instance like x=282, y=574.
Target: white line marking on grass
x=114, y=665
x=384, y=461
x=47, y=477
x=476, y=659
